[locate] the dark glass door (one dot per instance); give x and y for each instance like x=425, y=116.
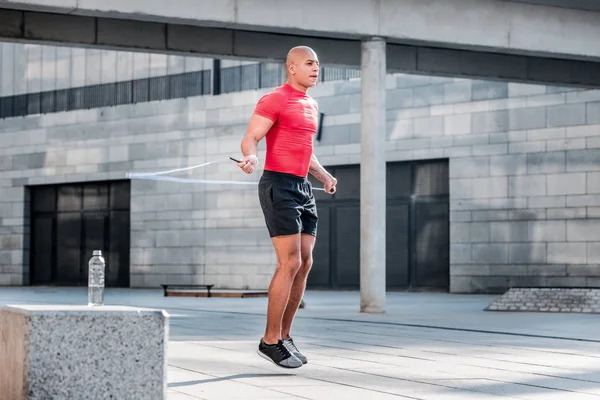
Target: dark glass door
x=69, y=222
x=417, y=228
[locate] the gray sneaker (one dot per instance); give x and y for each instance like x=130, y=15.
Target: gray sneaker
x=278, y=354
x=289, y=343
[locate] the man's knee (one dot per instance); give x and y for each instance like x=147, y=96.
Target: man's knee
x=291, y=263
x=306, y=264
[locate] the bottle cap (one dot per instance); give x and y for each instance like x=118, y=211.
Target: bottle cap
x=97, y=253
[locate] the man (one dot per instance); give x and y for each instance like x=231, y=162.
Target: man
x=288, y=118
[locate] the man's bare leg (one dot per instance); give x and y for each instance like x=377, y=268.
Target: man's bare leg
x=299, y=285
x=287, y=249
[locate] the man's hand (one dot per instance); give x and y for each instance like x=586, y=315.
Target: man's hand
x=330, y=184
x=247, y=163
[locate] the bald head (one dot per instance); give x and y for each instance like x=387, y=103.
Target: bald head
x=302, y=65
x=300, y=53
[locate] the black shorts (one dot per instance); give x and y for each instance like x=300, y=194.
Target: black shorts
x=288, y=204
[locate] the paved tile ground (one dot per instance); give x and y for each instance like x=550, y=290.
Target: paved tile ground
x=426, y=346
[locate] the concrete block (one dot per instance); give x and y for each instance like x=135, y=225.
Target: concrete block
x=583, y=230
x=508, y=203
x=490, y=187
x=547, y=270
x=546, y=201
x=444, y=109
x=546, y=231
x=567, y=281
x=409, y=80
x=460, y=232
x=527, y=215
x=592, y=182
x=479, y=232
x=461, y=188
x=428, y=95
x=79, y=352
x=429, y=126
x=566, y=213
x=491, y=121
x=508, y=137
x=470, y=140
x=486, y=90
x=457, y=92
x=524, y=89
x=181, y=201
x=507, y=165
x=546, y=134
x=457, y=152
x=566, y=115
x=592, y=142
x=583, y=160
x=471, y=167
x=593, y=113
x=527, y=118
x=462, y=269
x=406, y=144
x=527, y=147
x=578, y=95
x=564, y=184
x=527, y=185
x=591, y=200
x=567, y=253
x=397, y=129
x=457, y=124
x=490, y=215
x=584, y=270
x=6, y=162
x=502, y=232
x=512, y=271
x=490, y=149
x=490, y=253
x=583, y=131
x=395, y=99
x=460, y=216
x=28, y=161
x=540, y=163
x=566, y=144
x=593, y=254
x=460, y=284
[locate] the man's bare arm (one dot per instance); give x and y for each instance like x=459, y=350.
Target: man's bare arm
x=256, y=131
x=317, y=170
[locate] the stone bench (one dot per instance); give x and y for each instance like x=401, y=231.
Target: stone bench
x=80, y=352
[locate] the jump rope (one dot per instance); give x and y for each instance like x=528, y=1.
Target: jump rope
x=160, y=175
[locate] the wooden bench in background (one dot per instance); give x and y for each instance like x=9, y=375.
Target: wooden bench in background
x=180, y=290
x=186, y=289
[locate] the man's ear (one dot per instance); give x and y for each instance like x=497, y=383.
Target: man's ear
x=292, y=68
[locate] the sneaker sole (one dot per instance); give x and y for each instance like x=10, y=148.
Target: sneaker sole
x=279, y=365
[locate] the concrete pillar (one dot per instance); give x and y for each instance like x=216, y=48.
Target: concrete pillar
x=372, y=176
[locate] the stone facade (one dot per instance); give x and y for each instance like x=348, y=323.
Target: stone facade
x=524, y=178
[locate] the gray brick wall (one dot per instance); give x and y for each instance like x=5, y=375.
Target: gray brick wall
x=524, y=173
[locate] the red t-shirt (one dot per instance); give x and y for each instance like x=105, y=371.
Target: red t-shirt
x=290, y=139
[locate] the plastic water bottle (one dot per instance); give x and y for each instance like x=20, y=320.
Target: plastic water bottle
x=96, y=279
